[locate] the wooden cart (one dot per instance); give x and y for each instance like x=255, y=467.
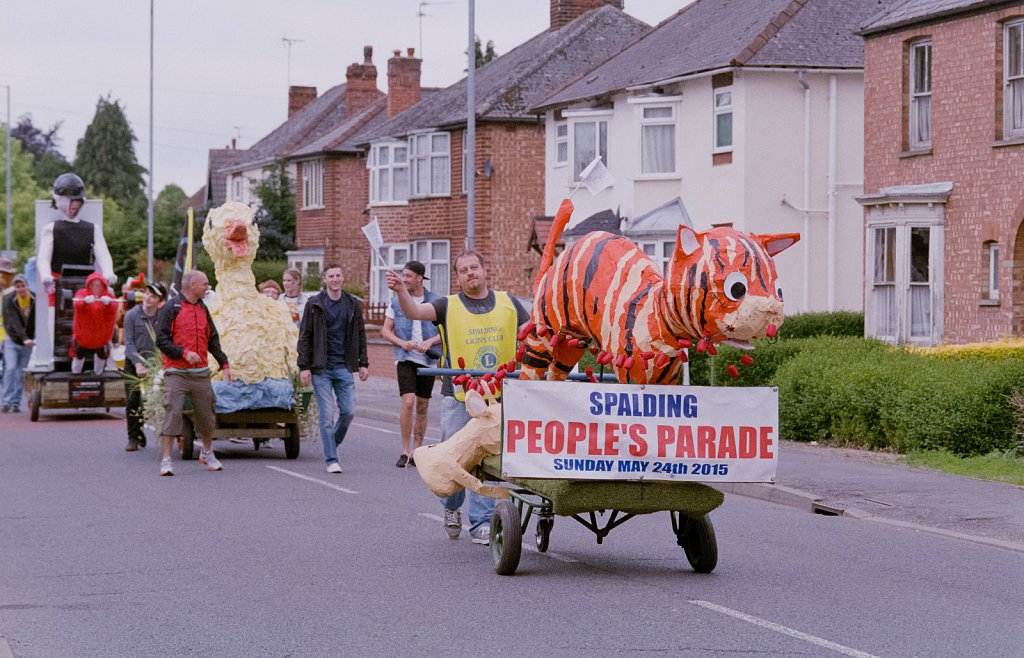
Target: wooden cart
x=66, y=390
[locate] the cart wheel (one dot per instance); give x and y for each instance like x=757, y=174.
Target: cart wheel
x=256, y=444
x=697, y=537
x=188, y=439
x=543, y=533
x=34, y=402
x=291, y=442
x=506, y=538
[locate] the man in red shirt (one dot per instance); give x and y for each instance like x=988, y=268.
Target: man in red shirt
x=185, y=335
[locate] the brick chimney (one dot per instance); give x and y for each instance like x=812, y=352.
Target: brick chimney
x=361, y=83
x=564, y=11
x=403, y=82
x=299, y=97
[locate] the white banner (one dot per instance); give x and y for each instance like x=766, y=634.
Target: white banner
x=631, y=432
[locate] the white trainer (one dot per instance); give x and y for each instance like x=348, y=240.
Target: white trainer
x=334, y=467
x=211, y=461
x=166, y=468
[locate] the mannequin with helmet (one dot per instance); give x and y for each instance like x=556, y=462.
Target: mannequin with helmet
x=69, y=240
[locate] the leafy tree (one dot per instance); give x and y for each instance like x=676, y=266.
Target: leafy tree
x=125, y=234
x=106, y=158
x=170, y=210
x=24, y=193
x=48, y=162
x=276, y=216
x=484, y=55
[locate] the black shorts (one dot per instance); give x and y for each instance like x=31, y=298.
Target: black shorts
x=410, y=382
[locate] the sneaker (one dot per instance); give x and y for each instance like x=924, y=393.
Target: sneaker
x=334, y=467
x=208, y=458
x=15, y=409
x=142, y=441
x=402, y=461
x=166, y=468
x=6, y=409
x=132, y=446
x=482, y=535
x=412, y=462
x=453, y=523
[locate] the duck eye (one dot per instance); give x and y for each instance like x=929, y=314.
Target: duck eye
x=735, y=286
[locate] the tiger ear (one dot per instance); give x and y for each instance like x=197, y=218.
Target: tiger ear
x=775, y=243
x=686, y=240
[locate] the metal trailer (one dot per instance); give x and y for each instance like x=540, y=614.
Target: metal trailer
x=66, y=390
x=260, y=425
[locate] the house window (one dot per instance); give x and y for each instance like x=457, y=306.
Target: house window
x=920, y=95
x=992, y=270
x=236, y=188
x=430, y=159
x=313, y=184
x=884, y=282
x=435, y=256
x=590, y=139
x=1013, y=94
x=920, y=282
x=432, y=253
x=723, y=119
x=561, y=144
x=657, y=140
x=389, y=172
x=660, y=251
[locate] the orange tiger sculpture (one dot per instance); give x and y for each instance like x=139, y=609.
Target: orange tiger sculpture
x=719, y=286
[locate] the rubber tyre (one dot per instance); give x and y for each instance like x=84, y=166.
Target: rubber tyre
x=188, y=439
x=291, y=442
x=506, y=538
x=543, y=533
x=34, y=402
x=697, y=537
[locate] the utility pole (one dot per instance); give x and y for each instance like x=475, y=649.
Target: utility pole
x=471, y=129
x=149, y=204
x=7, y=179
x=288, y=42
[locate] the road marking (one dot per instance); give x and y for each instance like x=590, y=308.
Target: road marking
x=527, y=544
x=427, y=439
x=785, y=630
x=311, y=479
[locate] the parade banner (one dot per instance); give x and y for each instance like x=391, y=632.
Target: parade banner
x=632, y=432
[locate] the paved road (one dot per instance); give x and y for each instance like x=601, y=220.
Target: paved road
x=274, y=557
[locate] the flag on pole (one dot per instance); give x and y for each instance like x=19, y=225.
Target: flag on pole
x=373, y=235
x=596, y=176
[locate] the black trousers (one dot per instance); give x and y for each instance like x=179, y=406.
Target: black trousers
x=133, y=409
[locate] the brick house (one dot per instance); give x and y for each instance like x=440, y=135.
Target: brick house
x=943, y=165
x=416, y=161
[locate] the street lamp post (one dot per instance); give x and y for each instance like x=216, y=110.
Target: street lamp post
x=149, y=204
x=7, y=178
x=471, y=130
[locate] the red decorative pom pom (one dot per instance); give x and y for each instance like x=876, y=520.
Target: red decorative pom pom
x=594, y=349
x=542, y=331
x=556, y=339
x=462, y=363
x=702, y=346
x=771, y=331
x=628, y=363
x=712, y=350
x=526, y=331
x=619, y=360
x=661, y=360
x=734, y=372
x=684, y=343
x=747, y=360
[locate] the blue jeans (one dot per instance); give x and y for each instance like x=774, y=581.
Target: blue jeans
x=15, y=360
x=330, y=386
x=453, y=418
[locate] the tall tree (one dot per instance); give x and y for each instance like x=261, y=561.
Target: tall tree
x=24, y=193
x=276, y=216
x=105, y=158
x=43, y=144
x=170, y=210
x=484, y=54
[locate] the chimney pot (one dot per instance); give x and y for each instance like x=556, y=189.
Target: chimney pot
x=565, y=11
x=411, y=51
x=367, y=54
x=397, y=52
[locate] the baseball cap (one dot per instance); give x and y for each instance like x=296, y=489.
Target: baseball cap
x=417, y=268
x=7, y=266
x=158, y=289
x=19, y=277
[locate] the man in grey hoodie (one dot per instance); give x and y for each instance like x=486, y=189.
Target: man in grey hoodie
x=139, y=347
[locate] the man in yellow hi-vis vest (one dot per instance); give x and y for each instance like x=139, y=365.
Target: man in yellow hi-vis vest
x=480, y=326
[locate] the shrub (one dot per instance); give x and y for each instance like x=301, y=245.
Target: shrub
x=834, y=323
x=863, y=392
x=707, y=370
x=272, y=270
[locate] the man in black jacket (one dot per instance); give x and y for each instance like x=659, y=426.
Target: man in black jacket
x=19, y=313
x=332, y=346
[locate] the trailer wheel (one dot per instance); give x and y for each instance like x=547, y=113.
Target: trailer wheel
x=188, y=439
x=34, y=402
x=697, y=537
x=506, y=538
x=291, y=442
x=544, y=533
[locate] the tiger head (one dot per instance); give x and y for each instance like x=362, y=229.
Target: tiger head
x=725, y=284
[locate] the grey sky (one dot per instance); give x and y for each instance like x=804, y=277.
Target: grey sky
x=221, y=67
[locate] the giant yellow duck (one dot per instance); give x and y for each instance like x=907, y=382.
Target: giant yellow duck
x=256, y=332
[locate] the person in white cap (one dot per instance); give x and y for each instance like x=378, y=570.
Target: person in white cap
x=139, y=349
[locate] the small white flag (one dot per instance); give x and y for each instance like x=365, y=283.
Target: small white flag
x=596, y=176
x=372, y=232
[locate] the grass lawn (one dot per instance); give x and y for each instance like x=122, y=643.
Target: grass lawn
x=998, y=466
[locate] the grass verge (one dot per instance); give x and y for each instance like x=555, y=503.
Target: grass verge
x=997, y=466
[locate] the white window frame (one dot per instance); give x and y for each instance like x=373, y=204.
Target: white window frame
x=920, y=94
x=722, y=110
x=312, y=184
x=647, y=120
x=1013, y=80
x=992, y=270
x=561, y=142
x=423, y=154
x=900, y=287
x=660, y=251
x=237, y=188
x=396, y=155
x=434, y=254
x=579, y=118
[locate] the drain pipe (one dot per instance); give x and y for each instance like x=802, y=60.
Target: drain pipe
x=807, y=191
x=833, y=138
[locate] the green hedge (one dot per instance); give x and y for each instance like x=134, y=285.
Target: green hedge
x=836, y=323
x=863, y=392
